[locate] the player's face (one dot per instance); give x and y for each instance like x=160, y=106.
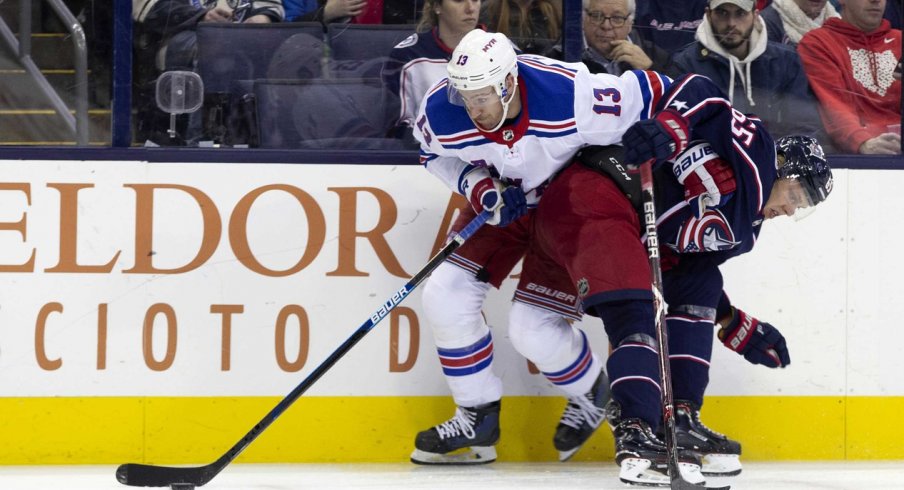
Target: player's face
x=787, y=197
x=484, y=106
x=600, y=19
x=731, y=25
x=811, y=7
x=458, y=15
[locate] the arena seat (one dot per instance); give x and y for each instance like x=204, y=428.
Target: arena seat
x=323, y=113
x=228, y=53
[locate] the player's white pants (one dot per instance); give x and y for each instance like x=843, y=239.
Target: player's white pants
x=452, y=300
x=559, y=350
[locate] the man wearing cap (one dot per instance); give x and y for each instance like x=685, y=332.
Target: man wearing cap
x=761, y=77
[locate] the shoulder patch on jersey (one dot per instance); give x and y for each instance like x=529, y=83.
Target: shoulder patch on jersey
x=710, y=233
x=408, y=41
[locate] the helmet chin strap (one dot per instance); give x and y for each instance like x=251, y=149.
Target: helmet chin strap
x=505, y=106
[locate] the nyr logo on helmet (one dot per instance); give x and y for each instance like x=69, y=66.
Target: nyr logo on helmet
x=487, y=46
x=710, y=233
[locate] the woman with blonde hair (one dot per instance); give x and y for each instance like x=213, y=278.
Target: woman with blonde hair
x=420, y=60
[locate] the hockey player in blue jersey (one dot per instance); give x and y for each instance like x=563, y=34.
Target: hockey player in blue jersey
x=699, y=232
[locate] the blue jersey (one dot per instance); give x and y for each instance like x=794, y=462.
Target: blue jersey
x=740, y=140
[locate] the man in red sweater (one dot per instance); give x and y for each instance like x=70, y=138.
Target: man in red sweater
x=850, y=63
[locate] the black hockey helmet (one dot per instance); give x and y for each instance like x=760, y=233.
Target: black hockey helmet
x=805, y=162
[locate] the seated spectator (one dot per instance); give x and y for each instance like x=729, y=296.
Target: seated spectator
x=354, y=11
x=324, y=11
x=733, y=51
x=669, y=24
x=850, y=63
x=610, y=43
x=788, y=20
x=418, y=62
x=533, y=25
x=172, y=24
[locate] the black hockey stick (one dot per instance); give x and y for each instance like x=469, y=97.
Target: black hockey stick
x=143, y=475
x=662, y=336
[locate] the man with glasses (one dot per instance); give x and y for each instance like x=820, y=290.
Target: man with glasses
x=611, y=44
x=760, y=77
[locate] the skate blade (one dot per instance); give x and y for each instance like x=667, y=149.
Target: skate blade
x=566, y=455
x=721, y=465
x=473, y=455
x=638, y=471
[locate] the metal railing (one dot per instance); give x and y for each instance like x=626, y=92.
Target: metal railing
x=77, y=123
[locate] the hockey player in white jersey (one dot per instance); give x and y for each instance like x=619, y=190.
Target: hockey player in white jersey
x=497, y=131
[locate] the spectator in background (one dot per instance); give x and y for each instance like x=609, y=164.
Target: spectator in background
x=850, y=63
x=610, y=43
x=760, y=77
x=355, y=11
x=533, y=25
x=324, y=11
x=171, y=23
x=669, y=24
x=419, y=61
x=788, y=20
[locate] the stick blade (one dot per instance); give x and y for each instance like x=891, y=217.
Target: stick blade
x=144, y=475
x=682, y=484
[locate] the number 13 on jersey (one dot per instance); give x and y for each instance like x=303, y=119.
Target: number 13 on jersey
x=608, y=99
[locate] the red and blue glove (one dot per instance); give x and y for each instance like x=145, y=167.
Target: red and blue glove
x=709, y=181
x=506, y=203
x=662, y=137
x=758, y=342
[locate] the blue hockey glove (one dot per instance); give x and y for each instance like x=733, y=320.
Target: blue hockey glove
x=758, y=342
x=506, y=203
x=662, y=137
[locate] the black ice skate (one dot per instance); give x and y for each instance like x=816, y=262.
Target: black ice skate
x=474, y=430
x=720, y=455
x=583, y=415
x=642, y=456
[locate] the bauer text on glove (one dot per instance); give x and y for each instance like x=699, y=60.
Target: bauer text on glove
x=758, y=342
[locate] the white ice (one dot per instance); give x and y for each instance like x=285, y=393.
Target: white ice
x=498, y=476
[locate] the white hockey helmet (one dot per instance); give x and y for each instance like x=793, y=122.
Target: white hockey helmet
x=481, y=59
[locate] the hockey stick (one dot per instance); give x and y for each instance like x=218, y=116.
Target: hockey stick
x=662, y=336
x=143, y=475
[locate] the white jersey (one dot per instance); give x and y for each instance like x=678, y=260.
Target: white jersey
x=563, y=108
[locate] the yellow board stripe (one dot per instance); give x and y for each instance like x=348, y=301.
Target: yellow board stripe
x=186, y=430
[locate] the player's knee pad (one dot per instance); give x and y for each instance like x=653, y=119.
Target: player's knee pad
x=539, y=334
x=626, y=318
x=452, y=299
